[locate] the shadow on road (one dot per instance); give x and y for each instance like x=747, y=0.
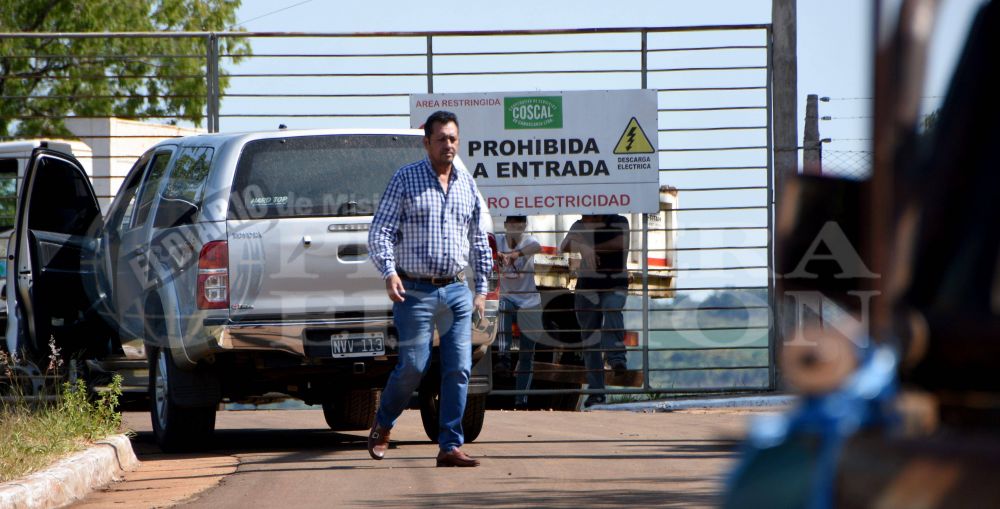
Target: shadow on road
x=230, y=442
x=654, y=493
x=238, y=441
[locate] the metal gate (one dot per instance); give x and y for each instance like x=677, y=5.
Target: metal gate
x=714, y=334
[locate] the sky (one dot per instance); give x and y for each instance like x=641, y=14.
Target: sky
x=834, y=60
x=834, y=37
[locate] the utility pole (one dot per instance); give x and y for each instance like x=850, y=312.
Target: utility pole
x=812, y=146
x=784, y=117
x=784, y=90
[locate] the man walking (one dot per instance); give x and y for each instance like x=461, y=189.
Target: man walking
x=424, y=230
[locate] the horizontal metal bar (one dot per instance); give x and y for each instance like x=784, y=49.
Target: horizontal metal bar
x=667, y=329
x=701, y=189
x=651, y=230
x=547, y=71
x=129, y=57
x=660, y=310
x=710, y=288
x=715, y=168
x=436, y=54
x=700, y=69
x=708, y=308
x=715, y=108
x=712, y=149
x=639, y=309
x=455, y=33
x=651, y=349
x=78, y=97
x=652, y=390
x=732, y=128
x=126, y=117
x=26, y=75
x=662, y=249
x=580, y=370
x=326, y=75
x=436, y=73
x=710, y=89
x=314, y=115
x=706, y=368
x=109, y=136
x=598, y=51
x=708, y=348
x=703, y=48
x=321, y=96
x=537, y=52
x=712, y=269
x=707, y=228
x=710, y=248
x=323, y=55
x=702, y=209
x=92, y=157
x=690, y=329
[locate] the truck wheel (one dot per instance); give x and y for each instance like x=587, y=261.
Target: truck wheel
x=175, y=428
x=472, y=420
x=352, y=410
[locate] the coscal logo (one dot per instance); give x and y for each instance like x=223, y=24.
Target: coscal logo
x=532, y=112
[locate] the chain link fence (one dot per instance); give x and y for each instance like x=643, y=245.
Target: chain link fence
x=851, y=164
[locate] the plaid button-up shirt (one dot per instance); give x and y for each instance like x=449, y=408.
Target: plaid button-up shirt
x=423, y=231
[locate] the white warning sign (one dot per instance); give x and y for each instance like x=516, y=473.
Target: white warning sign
x=586, y=152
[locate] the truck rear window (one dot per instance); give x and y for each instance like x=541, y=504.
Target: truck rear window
x=308, y=176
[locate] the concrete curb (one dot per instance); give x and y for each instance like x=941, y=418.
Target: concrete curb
x=71, y=478
x=777, y=400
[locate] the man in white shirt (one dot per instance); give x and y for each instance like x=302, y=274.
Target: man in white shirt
x=520, y=302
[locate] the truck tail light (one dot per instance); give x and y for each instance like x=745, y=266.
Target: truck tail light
x=213, y=275
x=493, y=290
x=631, y=338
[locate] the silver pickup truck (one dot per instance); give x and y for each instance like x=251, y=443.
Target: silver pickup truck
x=236, y=264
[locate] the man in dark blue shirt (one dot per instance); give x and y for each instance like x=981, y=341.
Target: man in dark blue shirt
x=601, y=288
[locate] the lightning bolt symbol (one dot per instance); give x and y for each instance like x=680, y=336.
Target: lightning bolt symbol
x=631, y=138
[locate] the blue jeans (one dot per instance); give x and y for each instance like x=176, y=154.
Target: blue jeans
x=529, y=321
x=603, y=328
x=449, y=308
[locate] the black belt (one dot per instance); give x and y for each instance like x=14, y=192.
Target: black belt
x=436, y=281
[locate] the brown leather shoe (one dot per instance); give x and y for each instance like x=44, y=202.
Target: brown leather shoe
x=378, y=441
x=456, y=458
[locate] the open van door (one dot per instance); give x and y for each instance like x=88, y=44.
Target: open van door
x=57, y=220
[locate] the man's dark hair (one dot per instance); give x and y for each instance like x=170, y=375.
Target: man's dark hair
x=438, y=117
x=517, y=219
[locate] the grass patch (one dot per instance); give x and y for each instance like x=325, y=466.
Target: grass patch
x=638, y=397
x=34, y=434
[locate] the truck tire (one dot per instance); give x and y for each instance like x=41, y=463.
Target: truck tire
x=352, y=410
x=176, y=428
x=472, y=419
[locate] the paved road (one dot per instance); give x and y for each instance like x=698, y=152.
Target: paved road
x=289, y=459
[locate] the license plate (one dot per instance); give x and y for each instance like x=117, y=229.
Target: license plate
x=357, y=344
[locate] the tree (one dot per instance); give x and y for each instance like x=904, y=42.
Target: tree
x=43, y=80
x=930, y=120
